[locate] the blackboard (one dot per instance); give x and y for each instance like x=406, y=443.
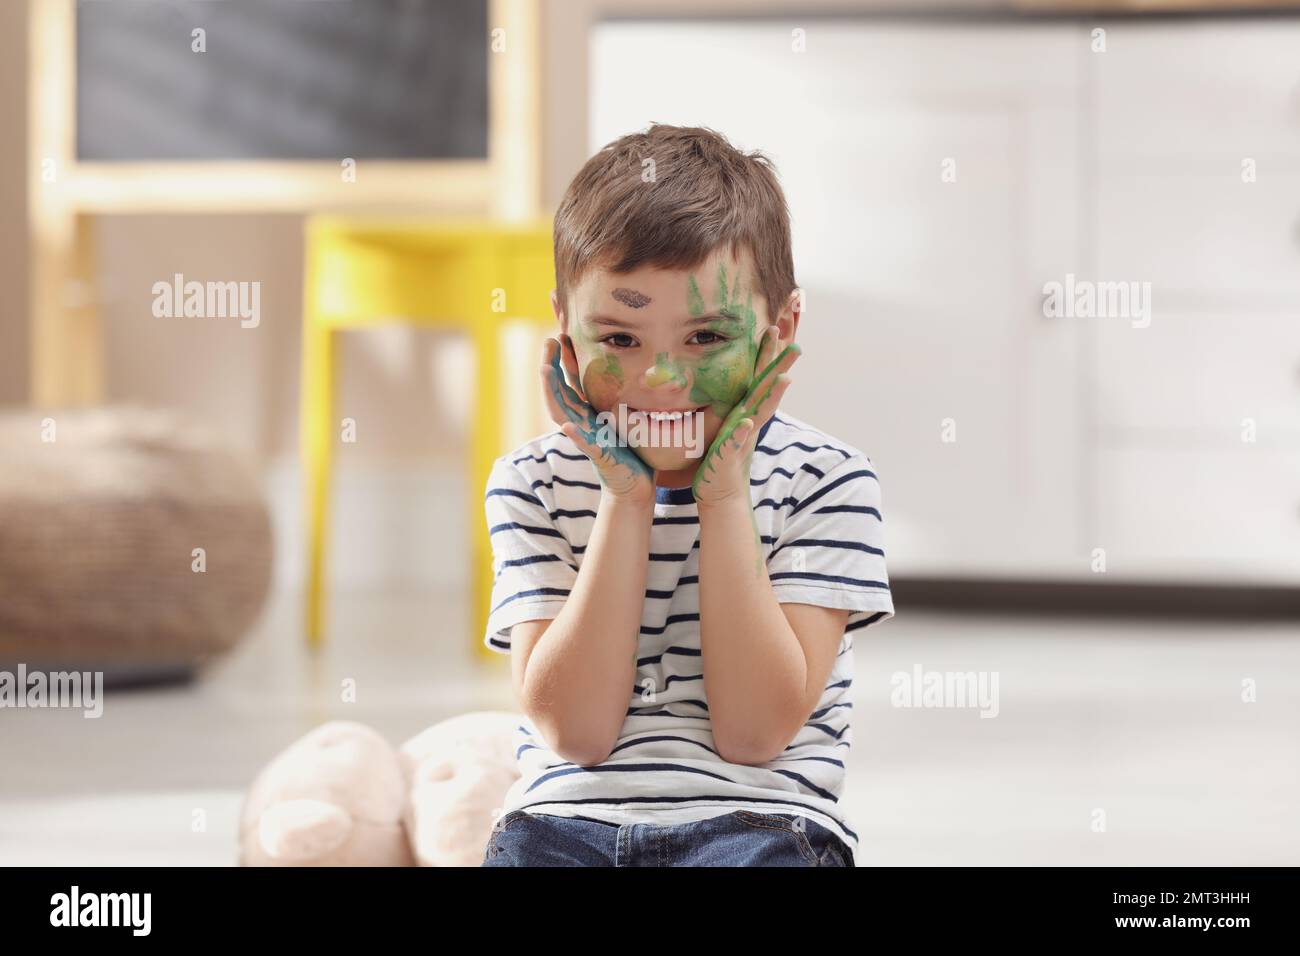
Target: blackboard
x=282, y=79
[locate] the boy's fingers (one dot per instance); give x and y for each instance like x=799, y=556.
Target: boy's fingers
x=789, y=355
x=575, y=435
x=576, y=408
x=763, y=392
x=769, y=404
x=763, y=404
x=548, y=391
x=742, y=432
x=614, y=473
x=762, y=383
x=582, y=413
x=590, y=449
x=567, y=400
x=595, y=454
x=790, y=358
x=771, y=346
x=551, y=408
x=770, y=342
x=779, y=364
x=570, y=359
x=555, y=403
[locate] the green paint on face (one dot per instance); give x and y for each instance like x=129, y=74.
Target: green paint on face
x=694, y=301
x=720, y=378
x=757, y=384
x=610, y=368
x=723, y=376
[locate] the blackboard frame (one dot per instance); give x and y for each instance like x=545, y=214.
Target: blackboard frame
x=507, y=183
x=64, y=194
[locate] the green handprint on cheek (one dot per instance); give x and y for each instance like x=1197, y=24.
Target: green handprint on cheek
x=723, y=376
x=694, y=301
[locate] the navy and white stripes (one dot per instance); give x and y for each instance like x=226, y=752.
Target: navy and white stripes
x=817, y=506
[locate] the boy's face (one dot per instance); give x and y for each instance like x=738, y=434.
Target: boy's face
x=682, y=340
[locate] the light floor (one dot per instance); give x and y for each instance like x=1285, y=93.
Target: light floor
x=1143, y=722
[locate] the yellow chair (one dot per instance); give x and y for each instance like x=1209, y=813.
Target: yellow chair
x=476, y=276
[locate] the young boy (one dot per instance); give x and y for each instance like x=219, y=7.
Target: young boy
x=681, y=571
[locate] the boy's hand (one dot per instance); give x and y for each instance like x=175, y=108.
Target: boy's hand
x=621, y=471
x=724, y=472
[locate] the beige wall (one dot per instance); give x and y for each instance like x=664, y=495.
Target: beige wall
x=13, y=202
x=246, y=379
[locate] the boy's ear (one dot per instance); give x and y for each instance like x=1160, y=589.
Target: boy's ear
x=555, y=307
x=788, y=321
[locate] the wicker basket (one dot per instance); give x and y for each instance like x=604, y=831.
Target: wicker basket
x=98, y=530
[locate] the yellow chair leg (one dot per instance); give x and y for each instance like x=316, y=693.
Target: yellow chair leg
x=485, y=447
x=317, y=454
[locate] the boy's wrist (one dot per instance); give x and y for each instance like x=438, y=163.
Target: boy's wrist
x=631, y=507
x=737, y=503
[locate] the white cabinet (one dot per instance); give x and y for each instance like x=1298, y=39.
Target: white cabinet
x=1207, y=90
x=925, y=296
x=1197, y=468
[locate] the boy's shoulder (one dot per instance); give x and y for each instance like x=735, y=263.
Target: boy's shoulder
x=542, y=458
x=787, y=438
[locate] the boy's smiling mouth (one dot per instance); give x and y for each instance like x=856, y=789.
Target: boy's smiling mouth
x=665, y=431
x=674, y=418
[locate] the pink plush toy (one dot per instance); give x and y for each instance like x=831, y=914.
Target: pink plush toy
x=342, y=796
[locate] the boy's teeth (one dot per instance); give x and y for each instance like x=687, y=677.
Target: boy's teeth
x=676, y=416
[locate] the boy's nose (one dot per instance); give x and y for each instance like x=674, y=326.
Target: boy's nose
x=665, y=378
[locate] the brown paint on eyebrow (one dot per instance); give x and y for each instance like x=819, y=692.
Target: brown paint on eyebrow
x=631, y=298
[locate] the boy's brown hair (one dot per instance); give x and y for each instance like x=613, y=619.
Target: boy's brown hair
x=704, y=193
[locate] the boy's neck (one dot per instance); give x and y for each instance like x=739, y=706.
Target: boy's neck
x=682, y=478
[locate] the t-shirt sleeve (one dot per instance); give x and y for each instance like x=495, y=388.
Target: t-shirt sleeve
x=830, y=551
x=532, y=561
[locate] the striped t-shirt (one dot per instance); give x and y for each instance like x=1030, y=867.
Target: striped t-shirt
x=817, y=507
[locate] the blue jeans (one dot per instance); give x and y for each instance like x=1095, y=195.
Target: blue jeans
x=741, y=838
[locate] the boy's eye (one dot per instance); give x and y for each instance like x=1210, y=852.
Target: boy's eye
x=714, y=341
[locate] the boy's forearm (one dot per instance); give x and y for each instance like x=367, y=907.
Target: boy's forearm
x=579, y=677
x=754, y=666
